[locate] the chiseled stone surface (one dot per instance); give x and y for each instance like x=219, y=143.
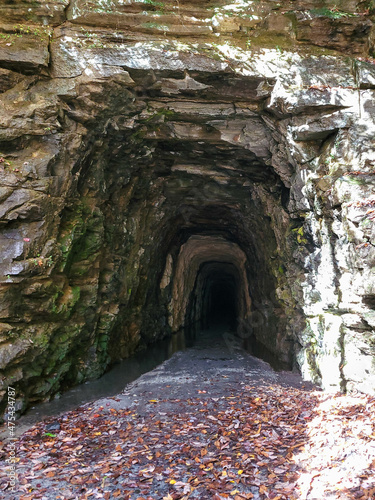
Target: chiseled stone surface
x=127, y=128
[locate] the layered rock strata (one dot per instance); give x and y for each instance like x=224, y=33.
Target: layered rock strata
x=152, y=151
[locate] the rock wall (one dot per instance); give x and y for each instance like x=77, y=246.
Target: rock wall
x=132, y=132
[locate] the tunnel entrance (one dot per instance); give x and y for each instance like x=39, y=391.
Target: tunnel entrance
x=218, y=289
x=210, y=285
x=180, y=212
x=204, y=217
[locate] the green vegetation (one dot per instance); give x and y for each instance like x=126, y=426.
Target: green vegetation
x=5, y=162
x=299, y=233
x=63, y=303
x=154, y=4
x=157, y=26
x=102, y=6
x=5, y=36
x=43, y=33
x=42, y=261
x=159, y=115
x=331, y=158
x=93, y=40
x=9, y=165
x=9, y=38
x=76, y=293
x=331, y=13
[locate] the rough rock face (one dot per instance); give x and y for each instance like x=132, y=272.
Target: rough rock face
x=151, y=152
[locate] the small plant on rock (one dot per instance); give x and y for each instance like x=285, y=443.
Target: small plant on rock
x=333, y=13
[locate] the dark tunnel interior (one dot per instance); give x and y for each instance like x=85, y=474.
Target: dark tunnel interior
x=220, y=308
x=216, y=295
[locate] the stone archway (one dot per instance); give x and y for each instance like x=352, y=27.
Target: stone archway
x=197, y=251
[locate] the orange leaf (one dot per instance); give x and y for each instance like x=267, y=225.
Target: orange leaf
x=263, y=489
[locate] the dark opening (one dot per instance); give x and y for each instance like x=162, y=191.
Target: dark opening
x=221, y=307
x=215, y=299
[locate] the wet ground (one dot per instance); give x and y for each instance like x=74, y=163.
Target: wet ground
x=111, y=383
x=211, y=366
x=209, y=355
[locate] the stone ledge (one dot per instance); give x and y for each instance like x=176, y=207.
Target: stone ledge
x=24, y=53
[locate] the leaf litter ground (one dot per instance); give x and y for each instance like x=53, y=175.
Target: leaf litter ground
x=209, y=423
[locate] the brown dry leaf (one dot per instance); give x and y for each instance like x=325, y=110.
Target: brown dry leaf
x=263, y=490
x=227, y=445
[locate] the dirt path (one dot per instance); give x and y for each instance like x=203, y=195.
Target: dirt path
x=209, y=423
